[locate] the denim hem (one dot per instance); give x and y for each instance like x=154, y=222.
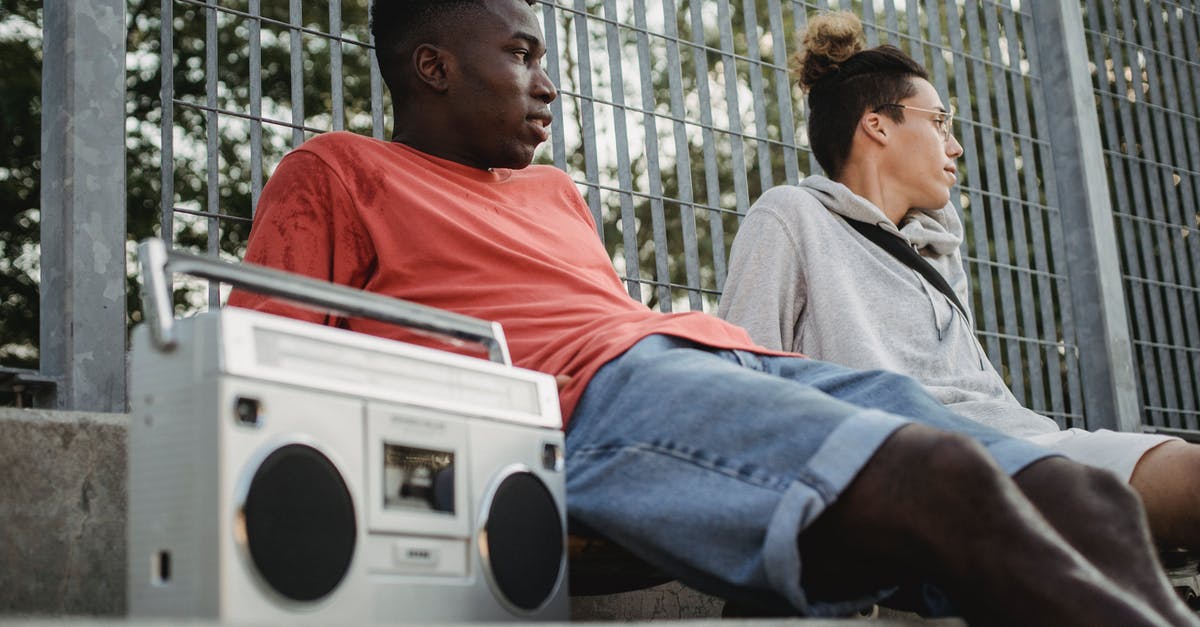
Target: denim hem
x=832, y=468
x=1014, y=455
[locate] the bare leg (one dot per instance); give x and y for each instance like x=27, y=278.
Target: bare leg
x=933, y=505
x=1168, y=480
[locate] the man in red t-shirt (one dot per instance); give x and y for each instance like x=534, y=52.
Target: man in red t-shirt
x=723, y=463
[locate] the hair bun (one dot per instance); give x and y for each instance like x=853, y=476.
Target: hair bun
x=829, y=40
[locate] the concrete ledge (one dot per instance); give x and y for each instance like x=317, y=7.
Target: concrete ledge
x=62, y=512
x=63, y=523
x=63, y=520
x=757, y=622
x=668, y=601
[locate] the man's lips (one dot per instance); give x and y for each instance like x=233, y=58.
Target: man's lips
x=541, y=124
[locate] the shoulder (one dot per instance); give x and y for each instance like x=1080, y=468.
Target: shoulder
x=789, y=202
x=791, y=206
x=546, y=174
x=340, y=146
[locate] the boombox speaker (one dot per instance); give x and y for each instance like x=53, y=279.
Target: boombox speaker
x=281, y=471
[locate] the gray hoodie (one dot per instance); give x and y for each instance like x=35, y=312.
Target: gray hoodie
x=801, y=279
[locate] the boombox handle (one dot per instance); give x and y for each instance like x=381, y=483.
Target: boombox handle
x=156, y=261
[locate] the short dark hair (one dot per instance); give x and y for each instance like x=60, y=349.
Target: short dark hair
x=844, y=81
x=399, y=26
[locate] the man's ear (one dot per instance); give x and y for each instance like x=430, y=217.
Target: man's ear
x=429, y=63
x=875, y=128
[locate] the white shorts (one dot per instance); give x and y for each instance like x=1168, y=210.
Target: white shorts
x=1112, y=450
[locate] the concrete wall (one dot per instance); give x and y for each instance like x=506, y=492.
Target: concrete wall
x=62, y=512
x=63, y=521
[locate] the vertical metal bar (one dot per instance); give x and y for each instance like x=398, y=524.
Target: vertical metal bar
x=1191, y=41
x=1168, y=135
x=1185, y=105
x=872, y=26
x=982, y=99
x=783, y=93
x=1152, y=134
x=762, y=125
x=932, y=10
x=737, y=148
x=1067, y=341
x=712, y=176
x=377, y=126
x=1042, y=382
x=587, y=112
x=256, y=164
x=893, y=23
x=1007, y=223
x=916, y=50
x=629, y=240
x=683, y=161
x=82, y=337
x=335, y=64
x=1095, y=272
x=1124, y=197
x=558, y=140
x=296, y=48
x=1134, y=129
x=653, y=171
x=166, y=98
x=212, y=147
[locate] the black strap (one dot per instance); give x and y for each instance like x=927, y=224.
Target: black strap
x=900, y=249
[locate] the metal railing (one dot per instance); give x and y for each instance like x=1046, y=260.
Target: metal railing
x=1078, y=188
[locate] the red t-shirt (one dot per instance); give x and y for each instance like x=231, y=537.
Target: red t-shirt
x=514, y=246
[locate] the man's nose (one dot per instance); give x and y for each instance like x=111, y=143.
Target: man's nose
x=953, y=148
x=543, y=87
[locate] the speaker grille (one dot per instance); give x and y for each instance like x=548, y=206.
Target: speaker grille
x=523, y=541
x=300, y=523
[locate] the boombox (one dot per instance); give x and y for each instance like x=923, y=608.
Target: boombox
x=282, y=471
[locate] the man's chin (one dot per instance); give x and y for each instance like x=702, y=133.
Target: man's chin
x=517, y=161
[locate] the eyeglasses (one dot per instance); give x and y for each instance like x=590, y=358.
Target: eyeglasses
x=941, y=118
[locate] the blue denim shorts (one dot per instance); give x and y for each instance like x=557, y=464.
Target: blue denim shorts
x=709, y=463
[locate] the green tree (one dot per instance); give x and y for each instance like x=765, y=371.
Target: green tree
x=20, y=152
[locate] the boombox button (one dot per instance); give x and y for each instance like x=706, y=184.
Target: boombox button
x=409, y=555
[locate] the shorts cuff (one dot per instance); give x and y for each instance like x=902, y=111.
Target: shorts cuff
x=827, y=474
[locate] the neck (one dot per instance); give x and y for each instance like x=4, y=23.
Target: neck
x=427, y=133
x=867, y=182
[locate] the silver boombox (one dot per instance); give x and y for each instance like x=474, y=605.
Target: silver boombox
x=286, y=472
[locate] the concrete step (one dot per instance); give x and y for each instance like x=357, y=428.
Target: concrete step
x=63, y=526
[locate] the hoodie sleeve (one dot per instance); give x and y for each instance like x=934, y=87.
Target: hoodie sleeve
x=765, y=289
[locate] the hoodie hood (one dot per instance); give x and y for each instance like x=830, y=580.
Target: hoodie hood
x=935, y=233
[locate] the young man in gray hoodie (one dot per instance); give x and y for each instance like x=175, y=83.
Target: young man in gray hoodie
x=803, y=276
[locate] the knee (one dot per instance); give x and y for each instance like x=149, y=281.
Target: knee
x=1063, y=481
x=1106, y=487
x=944, y=464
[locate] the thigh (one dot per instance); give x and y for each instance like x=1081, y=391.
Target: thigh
x=710, y=469
x=902, y=396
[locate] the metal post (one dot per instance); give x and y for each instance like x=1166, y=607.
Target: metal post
x=83, y=204
x=1097, y=295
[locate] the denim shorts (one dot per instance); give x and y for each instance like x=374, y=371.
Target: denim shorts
x=709, y=463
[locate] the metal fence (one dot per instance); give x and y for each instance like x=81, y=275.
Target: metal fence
x=1147, y=85
x=675, y=115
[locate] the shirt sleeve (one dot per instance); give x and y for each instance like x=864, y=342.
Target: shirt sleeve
x=307, y=224
x=765, y=291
